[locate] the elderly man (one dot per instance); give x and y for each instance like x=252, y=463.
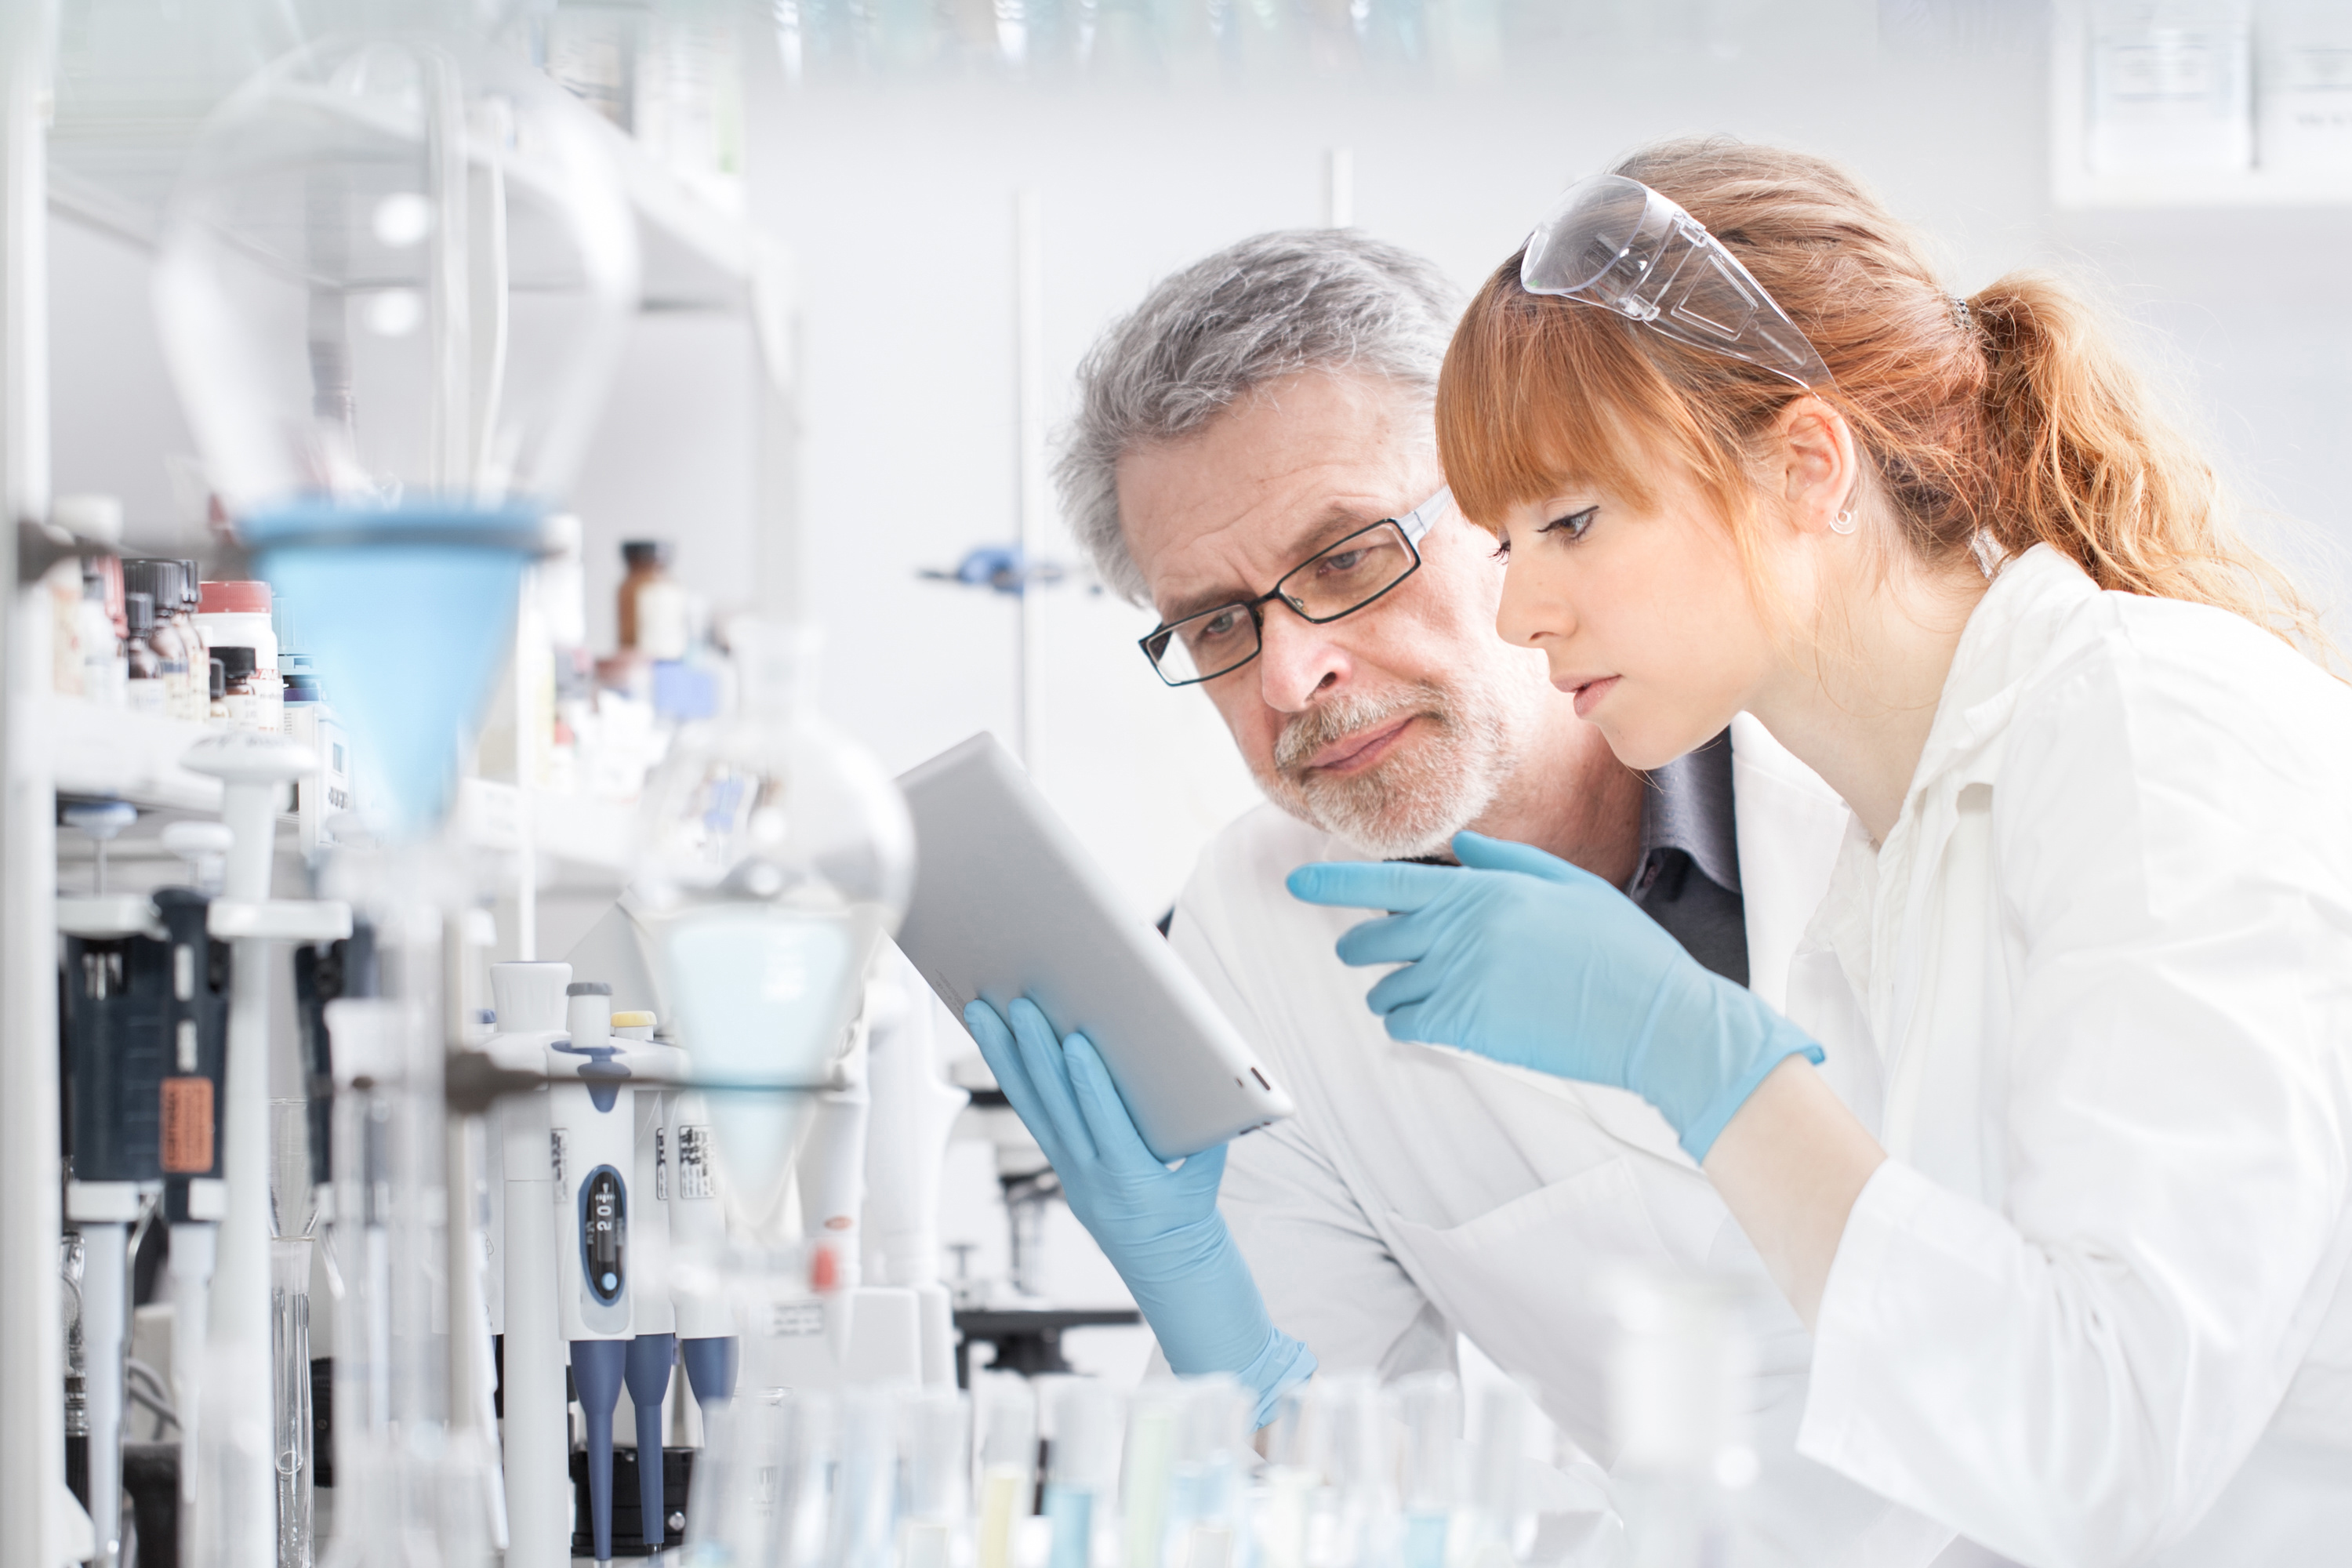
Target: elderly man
x=1254, y=457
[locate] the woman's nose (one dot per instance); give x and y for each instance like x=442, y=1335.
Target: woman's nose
x=1528, y=616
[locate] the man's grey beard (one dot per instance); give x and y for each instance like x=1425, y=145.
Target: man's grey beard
x=1413, y=802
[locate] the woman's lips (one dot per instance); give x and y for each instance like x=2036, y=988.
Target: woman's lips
x=1360, y=749
x=1588, y=690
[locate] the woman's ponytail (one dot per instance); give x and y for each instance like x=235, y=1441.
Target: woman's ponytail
x=2081, y=458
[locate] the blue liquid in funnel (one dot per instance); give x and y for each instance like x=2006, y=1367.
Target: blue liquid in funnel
x=408, y=634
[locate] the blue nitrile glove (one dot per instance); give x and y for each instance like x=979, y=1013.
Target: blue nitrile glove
x=1159, y=1227
x=1517, y=955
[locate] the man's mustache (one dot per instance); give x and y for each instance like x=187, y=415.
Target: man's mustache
x=1319, y=726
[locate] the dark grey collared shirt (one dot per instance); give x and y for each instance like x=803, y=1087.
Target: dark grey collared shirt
x=1687, y=879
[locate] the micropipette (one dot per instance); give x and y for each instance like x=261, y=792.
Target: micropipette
x=653, y=1321
x=591, y=1124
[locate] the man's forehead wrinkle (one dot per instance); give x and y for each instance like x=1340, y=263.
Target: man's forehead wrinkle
x=1293, y=464
x=1270, y=545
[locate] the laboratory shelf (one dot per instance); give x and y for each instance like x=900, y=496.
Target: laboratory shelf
x=695, y=253
x=110, y=754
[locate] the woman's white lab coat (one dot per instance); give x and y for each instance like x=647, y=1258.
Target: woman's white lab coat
x=2097, y=982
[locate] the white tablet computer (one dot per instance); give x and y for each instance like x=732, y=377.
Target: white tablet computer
x=1007, y=904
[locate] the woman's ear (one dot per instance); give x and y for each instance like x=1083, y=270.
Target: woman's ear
x=1817, y=466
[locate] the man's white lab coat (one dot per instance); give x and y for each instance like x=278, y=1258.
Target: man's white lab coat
x=2094, y=995
x=1421, y=1193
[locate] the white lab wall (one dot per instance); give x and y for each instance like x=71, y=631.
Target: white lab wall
x=898, y=204
x=114, y=419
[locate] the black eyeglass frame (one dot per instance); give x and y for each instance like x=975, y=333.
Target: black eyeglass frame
x=1412, y=526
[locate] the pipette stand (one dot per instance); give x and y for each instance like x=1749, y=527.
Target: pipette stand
x=237, y=1497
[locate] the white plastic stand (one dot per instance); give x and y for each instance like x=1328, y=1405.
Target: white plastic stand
x=235, y=1522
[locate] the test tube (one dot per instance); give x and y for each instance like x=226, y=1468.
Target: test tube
x=1290, y=1484
x=1681, y=1379
x=1207, y=1503
x=811, y=1451
x=1082, y=1466
x=1493, y=1527
x=1358, y=1501
x=1428, y=1407
x=861, y=1533
x=1008, y=1464
x=292, y=1217
x=934, y=1429
x=1147, y=1474
x=761, y=1482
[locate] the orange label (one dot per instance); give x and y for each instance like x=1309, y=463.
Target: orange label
x=187, y=1138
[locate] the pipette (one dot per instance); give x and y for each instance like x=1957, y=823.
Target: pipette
x=698, y=1234
x=592, y=1135
x=116, y=996
x=653, y=1321
x=191, y=1105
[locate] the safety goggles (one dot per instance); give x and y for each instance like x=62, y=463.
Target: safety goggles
x=1614, y=242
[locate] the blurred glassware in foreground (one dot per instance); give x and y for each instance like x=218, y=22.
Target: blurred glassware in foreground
x=392, y=284
x=777, y=856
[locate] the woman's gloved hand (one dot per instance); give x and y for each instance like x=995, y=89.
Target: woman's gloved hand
x=1520, y=956
x=1159, y=1227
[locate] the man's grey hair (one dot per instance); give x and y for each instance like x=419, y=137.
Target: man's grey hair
x=1270, y=306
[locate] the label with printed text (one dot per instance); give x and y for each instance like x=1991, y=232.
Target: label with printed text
x=695, y=1179
x=187, y=1135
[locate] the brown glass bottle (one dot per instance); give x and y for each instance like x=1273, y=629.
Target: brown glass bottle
x=648, y=564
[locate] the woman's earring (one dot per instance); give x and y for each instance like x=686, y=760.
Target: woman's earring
x=1843, y=524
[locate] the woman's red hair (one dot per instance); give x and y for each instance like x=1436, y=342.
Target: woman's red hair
x=1992, y=424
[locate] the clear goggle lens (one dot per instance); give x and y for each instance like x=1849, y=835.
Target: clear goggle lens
x=1614, y=242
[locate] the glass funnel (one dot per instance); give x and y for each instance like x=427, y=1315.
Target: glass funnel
x=778, y=856
x=391, y=283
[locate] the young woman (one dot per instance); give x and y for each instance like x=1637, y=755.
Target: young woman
x=2054, y=1147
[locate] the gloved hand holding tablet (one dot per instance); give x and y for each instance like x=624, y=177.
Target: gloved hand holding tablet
x=1007, y=904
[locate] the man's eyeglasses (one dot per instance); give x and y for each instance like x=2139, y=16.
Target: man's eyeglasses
x=1338, y=580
